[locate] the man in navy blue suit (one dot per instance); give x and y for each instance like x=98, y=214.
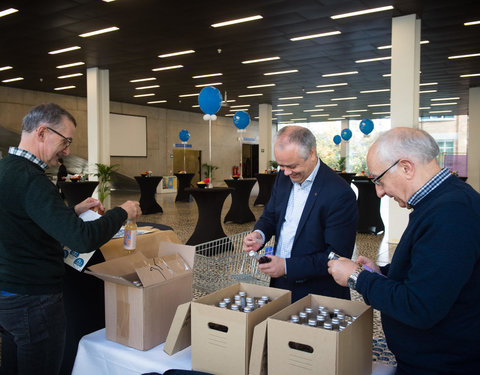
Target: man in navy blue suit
x=312, y=211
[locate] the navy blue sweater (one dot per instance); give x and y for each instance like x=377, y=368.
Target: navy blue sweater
x=430, y=303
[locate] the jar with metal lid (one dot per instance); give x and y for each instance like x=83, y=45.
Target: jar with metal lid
x=247, y=309
x=309, y=312
x=342, y=326
x=294, y=319
x=261, y=303
x=234, y=307
x=249, y=300
x=337, y=311
x=303, y=317
x=223, y=305
x=320, y=320
x=251, y=305
x=341, y=316
x=243, y=301
x=312, y=322
x=228, y=301
x=335, y=323
x=327, y=325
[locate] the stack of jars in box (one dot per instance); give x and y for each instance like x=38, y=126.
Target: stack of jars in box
x=242, y=302
x=322, y=317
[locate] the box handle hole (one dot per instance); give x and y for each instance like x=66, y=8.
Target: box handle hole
x=301, y=347
x=218, y=327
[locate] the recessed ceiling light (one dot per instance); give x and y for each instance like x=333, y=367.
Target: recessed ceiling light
x=108, y=1
x=387, y=75
x=471, y=23
x=260, y=86
x=333, y=85
x=70, y=65
x=314, y=110
x=351, y=115
x=336, y=118
x=345, y=98
x=389, y=46
x=319, y=91
x=424, y=108
x=373, y=59
x=291, y=98
x=230, y=101
x=143, y=95
x=240, y=106
x=143, y=79
x=380, y=113
x=261, y=60
x=8, y=11
x=438, y=104
x=230, y=114
x=277, y=110
x=64, y=88
x=440, y=99
x=13, y=79
x=210, y=84
x=362, y=12
x=322, y=115
x=188, y=95
x=339, y=74
x=330, y=33
x=325, y=105
x=288, y=105
x=299, y=119
x=208, y=75
x=5, y=68
x=147, y=87
x=464, y=56
x=171, y=54
x=248, y=95
x=68, y=49
x=70, y=75
x=429, y=84
x=281, y=72
x=167, y=68
x=379, y=105
x=239, y=109
x=101, y=31
x=470, y=75
x=238, y=20
x=373, y=91
x=427, y=91
x=357, y=110
x=196, y=106
x=440, y=111
x=284, y=113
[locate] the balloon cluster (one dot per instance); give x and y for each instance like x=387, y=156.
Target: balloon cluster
x=366, y=127
x=184, y=135
x=210, y=101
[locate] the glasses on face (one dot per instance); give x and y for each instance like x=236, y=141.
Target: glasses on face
x=377, y=179
x=66, y=141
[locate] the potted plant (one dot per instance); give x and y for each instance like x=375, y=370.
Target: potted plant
x=208, y=170
x=342, y=161
x=273, y=166
x=104, y=174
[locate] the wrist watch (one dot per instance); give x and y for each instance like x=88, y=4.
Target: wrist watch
x=352, y=279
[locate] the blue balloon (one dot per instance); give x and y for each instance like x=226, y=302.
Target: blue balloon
x=241, y=119
x=210, y=100
x=337, y=139
x=366, y=126
x=346, y=134
x=184, y=135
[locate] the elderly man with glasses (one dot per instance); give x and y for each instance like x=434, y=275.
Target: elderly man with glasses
x=34, y=222
x=430, y=298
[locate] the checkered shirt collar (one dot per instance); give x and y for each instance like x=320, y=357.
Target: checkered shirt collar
x=27, y=155
x=426, y=189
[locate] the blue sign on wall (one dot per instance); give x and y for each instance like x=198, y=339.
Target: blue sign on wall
x=181, y=145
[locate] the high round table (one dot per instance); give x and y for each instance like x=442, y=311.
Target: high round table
x=76, y=192
x=346, y=176
x=184, y=180
x=239, y=210
x=209, y=203
x=148, y=188
x=265, y=187
x=369, y=219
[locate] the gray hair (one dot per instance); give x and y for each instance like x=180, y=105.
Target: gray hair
x=298, y=135
x=414, y=144
x=49, y=114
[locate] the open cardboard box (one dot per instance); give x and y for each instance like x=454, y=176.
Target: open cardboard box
x=140, y=316
x=299, y=349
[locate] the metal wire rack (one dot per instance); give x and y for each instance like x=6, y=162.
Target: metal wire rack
x=222, y=262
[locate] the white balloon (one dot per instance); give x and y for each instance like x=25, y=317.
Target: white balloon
x=213, y=117
x=206, y=117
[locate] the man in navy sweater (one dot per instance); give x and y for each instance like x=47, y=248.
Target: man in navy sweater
x=34, y=221
x=429, y=299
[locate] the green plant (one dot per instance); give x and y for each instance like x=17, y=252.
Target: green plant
x=104, y=174
x=208, y=169
x=342, y=161
x=272, y=164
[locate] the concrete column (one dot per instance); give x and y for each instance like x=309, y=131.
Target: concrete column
x=405, y=83
x=98, y=115
x=264, y=136
x=344, y=145
x=473, y=149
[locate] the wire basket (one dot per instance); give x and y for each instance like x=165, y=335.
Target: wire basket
x=222, y=262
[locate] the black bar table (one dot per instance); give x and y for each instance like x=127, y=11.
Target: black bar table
x=148, y=188
x=183, y=182
x=265, y=187
x=76, y=192
x=369, y=218
x=346, y=176
x=239, y=210
x=209, y=203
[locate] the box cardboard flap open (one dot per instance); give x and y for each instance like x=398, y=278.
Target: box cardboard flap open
x=180, y=335
x=258, y=355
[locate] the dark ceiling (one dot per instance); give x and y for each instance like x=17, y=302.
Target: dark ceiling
x=148, y=28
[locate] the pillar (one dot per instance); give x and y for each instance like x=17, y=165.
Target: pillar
x=264, y=136
x=473, y=148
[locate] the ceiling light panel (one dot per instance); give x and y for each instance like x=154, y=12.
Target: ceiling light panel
x=471, y=23
x=339, y=74
x=179, y=53
x=362, y=12
x=167, y=68
x=63, y=50
x=210, y=84
x=208, y=75
x=281, y=72
x=291, y=98
x=288, y=105
x=319, y=91
x=464, y=56
x=157, y=102
x=64, y=88
x=346, y=98
x=70, y=75
x=147, y=87
x=373, y=59
x=249, y=95
x=260, y=86
x=143, y=95
x=313, y=36
x=440, y=99
x=98, y=32
x=8, y=11
x=13, y=79
x=236, y=21
x=333, y=85
x=78, y=63
x=2, y=68
x=143, y=79
x=261, y=60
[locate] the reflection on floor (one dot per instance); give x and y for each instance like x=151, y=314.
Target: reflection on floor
x=182, y=217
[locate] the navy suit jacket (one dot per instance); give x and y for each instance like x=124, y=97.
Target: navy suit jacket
x=328, y=223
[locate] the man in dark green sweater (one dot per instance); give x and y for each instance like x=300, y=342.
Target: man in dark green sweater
x=34, y=221
x=429, y=299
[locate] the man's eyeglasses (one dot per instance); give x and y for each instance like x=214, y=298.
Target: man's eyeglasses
x=66, y=141
x=377, y=179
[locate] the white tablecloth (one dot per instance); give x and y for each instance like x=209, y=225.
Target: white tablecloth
x=99, y=356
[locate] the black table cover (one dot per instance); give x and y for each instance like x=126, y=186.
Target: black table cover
x=265, y=186
x=76, y=192
x=183, y=182
x=148, y=189
x=369, y=219
x=209, y=203
x=346, y=176
x=239, y=210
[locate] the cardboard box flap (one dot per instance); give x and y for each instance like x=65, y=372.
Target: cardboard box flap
x=119, y=266
x=114, y=279
x=175, y=264
x=168, y=248
x=258, y=355
x=180, y=335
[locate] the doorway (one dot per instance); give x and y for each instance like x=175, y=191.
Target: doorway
x=193, y=163
x=250, y=160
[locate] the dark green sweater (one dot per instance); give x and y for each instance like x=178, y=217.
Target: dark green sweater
x=34, y=221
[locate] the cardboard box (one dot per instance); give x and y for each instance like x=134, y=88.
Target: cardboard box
x=222, y=338
x=299, y=349
x=140, y=316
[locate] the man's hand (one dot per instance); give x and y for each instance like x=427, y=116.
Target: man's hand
x=341, y=269
x=275, y=268
x=369, y=263
x=252, y=241
x=87, y=204
x=132, y=208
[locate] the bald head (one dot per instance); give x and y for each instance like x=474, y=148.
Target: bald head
x=298, y=135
